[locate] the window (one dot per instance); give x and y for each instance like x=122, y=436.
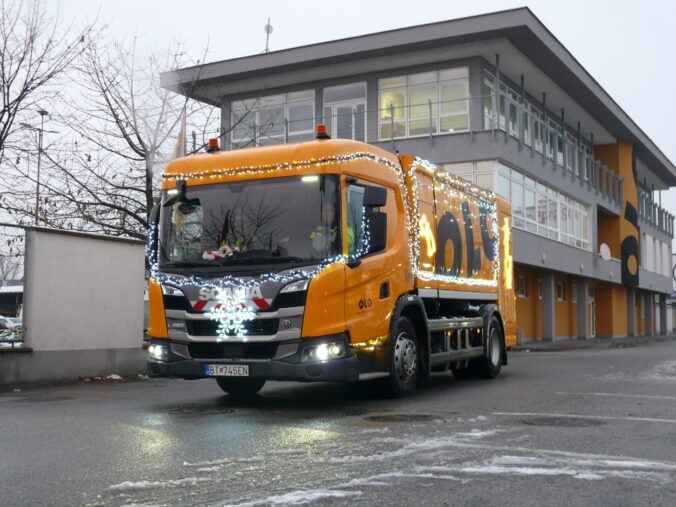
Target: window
x=521, y=287
x=573, y=292
x=355, y=219
x=358, y=218
x=273, y=119
x=560, y=291
x=423, y=104
x=345, y=111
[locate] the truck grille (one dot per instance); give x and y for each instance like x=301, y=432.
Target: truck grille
x=255, y=327
x=232, y=350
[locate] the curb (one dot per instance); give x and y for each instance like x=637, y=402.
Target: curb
x=592, y=343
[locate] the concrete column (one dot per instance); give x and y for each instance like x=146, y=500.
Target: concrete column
x=631, y=312
x=226, y=123
x=548, y=306
x=372, y=111
x=648, y=305
x=476, y=89
x=663, y=314
x=582, y=309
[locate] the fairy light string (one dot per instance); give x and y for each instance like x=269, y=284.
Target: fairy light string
x=232, y=312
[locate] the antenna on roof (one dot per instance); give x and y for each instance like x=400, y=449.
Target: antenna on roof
x=268, y=31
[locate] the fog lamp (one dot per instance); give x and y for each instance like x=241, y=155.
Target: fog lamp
x=159, y=352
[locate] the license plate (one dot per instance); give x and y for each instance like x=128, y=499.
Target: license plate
x=227, y=370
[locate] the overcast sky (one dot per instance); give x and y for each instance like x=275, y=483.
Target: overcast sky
x=627, y=46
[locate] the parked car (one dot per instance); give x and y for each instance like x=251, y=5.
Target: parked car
x=7, y=324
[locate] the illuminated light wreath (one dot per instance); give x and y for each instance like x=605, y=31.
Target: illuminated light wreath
x=231, y=313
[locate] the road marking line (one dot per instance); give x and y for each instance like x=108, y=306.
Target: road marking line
x=580, y=416
x=622, y=395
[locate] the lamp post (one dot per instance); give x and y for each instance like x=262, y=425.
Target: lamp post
x=41, y=130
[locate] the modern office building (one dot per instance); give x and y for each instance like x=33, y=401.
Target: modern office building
x=496, y=99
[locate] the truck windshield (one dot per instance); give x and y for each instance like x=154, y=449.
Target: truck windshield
x=290, y=220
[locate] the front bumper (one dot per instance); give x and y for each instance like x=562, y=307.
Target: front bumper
x=343, y=369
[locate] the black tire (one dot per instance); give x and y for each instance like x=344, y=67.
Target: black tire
x=490, y=365
x=240, y=387
x=404, y=359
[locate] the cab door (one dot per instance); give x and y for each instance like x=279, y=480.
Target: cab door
x=373, y=277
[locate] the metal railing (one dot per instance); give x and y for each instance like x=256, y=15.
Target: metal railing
x=431, y=119
x=652, y=213
x=552, y=142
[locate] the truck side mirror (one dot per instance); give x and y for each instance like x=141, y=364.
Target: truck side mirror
x=377, y=225
x=374, y=197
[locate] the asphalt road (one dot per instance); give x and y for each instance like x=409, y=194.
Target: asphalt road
x=586, y=427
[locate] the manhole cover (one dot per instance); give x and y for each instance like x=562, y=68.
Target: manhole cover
x=400, y=417
x=565, y=422
x=195, y=409
x=42, y=399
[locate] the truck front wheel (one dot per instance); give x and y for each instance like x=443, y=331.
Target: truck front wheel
x=240, y=386
x=404, y=361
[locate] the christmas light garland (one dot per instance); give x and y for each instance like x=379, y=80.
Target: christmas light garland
x=232, y=313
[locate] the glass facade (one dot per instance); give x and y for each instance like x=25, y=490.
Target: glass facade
x=275, y=119
x=523, y=119
x=536, y=207
x=422, y=104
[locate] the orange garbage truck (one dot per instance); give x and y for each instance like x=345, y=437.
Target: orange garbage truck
x=326, y=261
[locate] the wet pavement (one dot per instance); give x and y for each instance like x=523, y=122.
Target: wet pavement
x=575, y=427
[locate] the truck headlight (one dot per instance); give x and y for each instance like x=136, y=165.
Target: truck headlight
x=159, y=352
x=298, y=286
x=168, y=290
x=323, y=352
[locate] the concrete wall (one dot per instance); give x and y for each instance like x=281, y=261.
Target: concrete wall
x=83, y=308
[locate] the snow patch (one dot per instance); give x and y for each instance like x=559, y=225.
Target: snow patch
x=208, y=469
x=376, y=430
x=578, y=468
x=427, y=445
x=114, y=376
x=253, y=459
x=300, y=497
x=223, y=461
x=663, y=371
x=144, y=485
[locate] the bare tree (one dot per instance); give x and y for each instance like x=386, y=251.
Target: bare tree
x=104, y=176
x=9, y=267
x=34, y=52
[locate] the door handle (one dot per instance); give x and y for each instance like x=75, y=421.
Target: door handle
x=385, y=289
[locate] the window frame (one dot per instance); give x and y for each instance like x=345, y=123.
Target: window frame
x=437, y=110
x=266, y=103
x=521, y=287
x=353, y=102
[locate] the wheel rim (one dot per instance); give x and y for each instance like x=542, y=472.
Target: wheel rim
x=405, y=357
x=494, y=347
